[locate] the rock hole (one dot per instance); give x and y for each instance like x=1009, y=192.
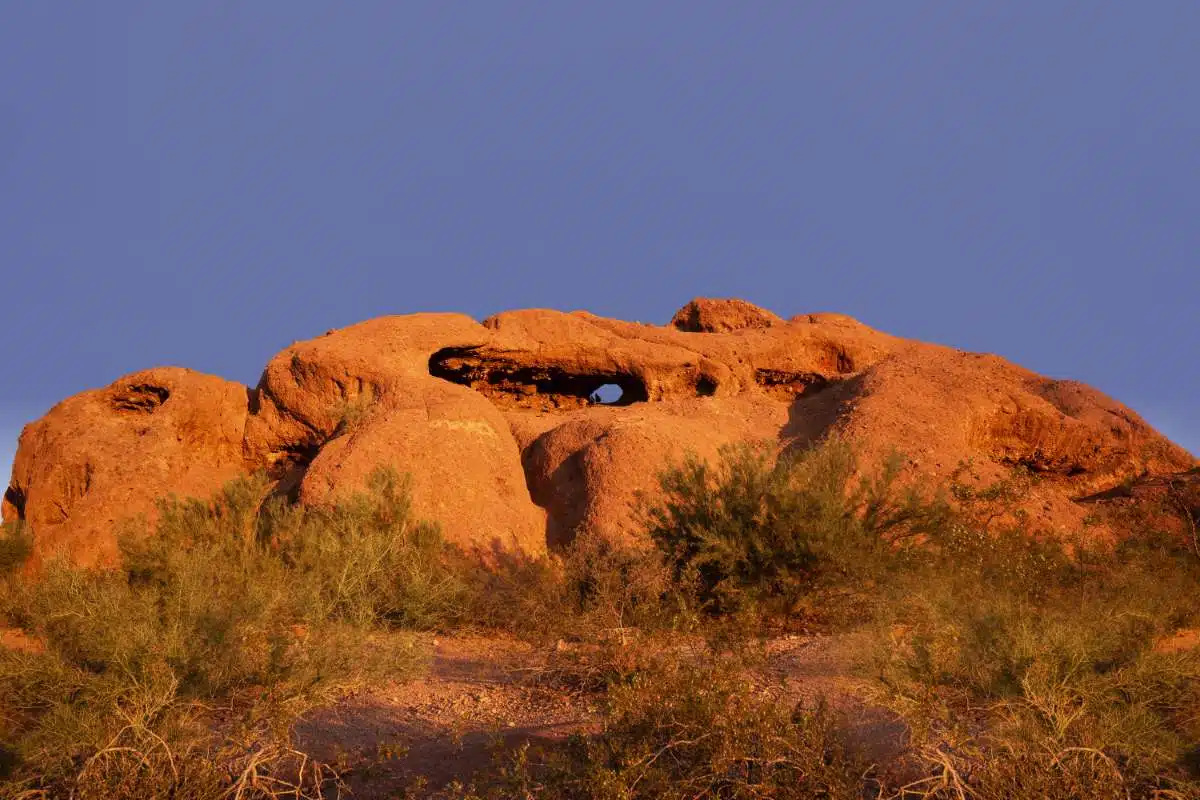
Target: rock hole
x=289, y=467
x=608, y=394
x=512, y=383
x=787, y=384
x=142, y=398
x=706, y=386
x=16, y=498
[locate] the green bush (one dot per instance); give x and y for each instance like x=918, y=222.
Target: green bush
x=1025, y=668
x=210, y=638
x=688, y=727
x=1024, y=665
x=16, y=545
x=757, y=528
x=597, y=611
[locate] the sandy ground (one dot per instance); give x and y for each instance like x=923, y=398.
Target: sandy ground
x=477, y=699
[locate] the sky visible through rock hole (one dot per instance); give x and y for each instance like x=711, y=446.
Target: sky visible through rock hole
x=203, y=183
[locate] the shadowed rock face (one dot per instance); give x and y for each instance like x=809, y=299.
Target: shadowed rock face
x=499, y=425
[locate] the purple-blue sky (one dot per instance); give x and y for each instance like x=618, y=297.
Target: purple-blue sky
x=202, y=183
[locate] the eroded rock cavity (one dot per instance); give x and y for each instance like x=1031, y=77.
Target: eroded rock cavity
x=542, y=387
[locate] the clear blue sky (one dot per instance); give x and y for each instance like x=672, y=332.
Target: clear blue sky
x=202, y=183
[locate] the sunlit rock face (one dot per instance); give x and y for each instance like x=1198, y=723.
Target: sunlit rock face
x=533, y=426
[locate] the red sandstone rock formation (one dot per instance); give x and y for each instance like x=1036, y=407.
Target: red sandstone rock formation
x=704, y=315
x=106, y=455
x=498, y=425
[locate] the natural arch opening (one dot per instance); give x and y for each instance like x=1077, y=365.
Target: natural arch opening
x=545, y=387
x=608, y=394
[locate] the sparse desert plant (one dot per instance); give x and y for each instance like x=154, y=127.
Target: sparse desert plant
x=783, y=530
x=1021, y=666
x=208, y=639
x=354, y=411
x=369, y=561
x=692, y=726
x=611, y=588
x=1027, y=669
x=598, y=610
x=16, y=545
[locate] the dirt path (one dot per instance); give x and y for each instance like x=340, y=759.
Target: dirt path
x=447, y=725
x=824, y=668
x=477, y=696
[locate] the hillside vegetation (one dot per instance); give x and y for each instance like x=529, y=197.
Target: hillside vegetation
x=1020, y=665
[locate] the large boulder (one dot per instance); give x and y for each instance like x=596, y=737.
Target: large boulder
x=595, y=471
x=705, y=315
x=944, y=409
x=105, y=456
x=534, y=426
x=462, y=459
x=309, y=390
x=330, y=411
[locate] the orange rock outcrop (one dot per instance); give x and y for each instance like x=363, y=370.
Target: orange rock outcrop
x=500, y=427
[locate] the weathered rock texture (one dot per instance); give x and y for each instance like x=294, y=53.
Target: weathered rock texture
x=704, y=315
x=106, y=455
x=499, y=426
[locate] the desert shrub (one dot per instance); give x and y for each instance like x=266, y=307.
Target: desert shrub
x=597, y=610
x=1166, y=525
x=692, y=727
x=785, y=531
x=1026, y=668
x=16, y=545
x=369, y=561
x=607, y=589
x=1067, y=732
x=1023, y=664
x=210, y=637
